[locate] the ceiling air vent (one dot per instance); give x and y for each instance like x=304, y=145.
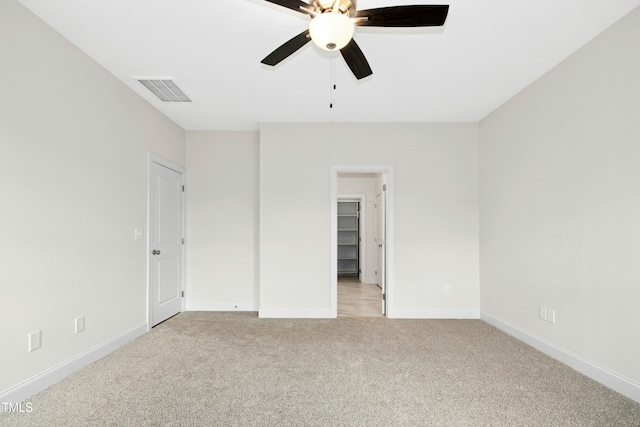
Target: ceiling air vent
x=165, y=89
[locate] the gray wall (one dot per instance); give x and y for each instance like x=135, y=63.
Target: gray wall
x=436, y=212
x=262, y=231
x=560, y=204
x=74, y=143
x=222, y=219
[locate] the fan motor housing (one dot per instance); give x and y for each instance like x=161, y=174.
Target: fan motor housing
x=347, y=7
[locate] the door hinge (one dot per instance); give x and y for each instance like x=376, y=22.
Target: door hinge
x=182, y=294
x=183, y=188
x=183, y=240
x=376, y=273
x=384, y=187
x=384, y=297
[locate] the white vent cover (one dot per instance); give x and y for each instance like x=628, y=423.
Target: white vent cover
x=165, y=89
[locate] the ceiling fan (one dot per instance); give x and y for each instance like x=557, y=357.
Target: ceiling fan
x=333, y=23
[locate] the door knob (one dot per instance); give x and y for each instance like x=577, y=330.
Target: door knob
x=156, y=252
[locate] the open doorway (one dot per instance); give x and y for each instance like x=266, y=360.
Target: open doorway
x=358, y=293
x=362, y=281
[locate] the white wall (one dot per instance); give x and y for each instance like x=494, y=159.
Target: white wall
x=365, y=184
x=436, y=213
x=560, y=204
x=74, y=144
x=222, y=218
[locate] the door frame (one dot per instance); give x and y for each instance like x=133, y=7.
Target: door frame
x=153, y=158
x=381, y=265
x=362, y=262
x=388, y=173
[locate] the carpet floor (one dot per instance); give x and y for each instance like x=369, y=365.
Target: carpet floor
x=233, y=369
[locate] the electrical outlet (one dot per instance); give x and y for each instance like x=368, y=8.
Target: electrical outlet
x=35, y=340
x=548, y=314
x=551, y=315
x=447, y=290
x=79, y=324
x=543, y=313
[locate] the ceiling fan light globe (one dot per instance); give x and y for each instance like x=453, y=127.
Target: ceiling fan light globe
x=331, y=31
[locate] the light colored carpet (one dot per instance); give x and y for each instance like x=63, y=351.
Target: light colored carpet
x=233, y=369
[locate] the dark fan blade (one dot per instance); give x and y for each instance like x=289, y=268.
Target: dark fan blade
x=287, y=49
x=356, y=61
x=297, y=5
x=404, y=16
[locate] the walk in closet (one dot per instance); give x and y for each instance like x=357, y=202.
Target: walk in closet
x=348, y=238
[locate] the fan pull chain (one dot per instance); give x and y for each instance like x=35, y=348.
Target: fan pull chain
x=332, y=78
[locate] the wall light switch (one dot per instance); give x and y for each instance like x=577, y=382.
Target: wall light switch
x=79, y=324
x=35, y=340
x=138, y=234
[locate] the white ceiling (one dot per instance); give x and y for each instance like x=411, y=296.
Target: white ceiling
x=487, y=52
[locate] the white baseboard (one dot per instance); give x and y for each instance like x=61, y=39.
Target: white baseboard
x=370, y=280
x=295, y=314
x=435, y=314
x=46, y=379
x=205, y=306
x=397, y=314
x=592, y=370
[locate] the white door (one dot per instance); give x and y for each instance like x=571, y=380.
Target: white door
x=165, y=242
x=381, y=274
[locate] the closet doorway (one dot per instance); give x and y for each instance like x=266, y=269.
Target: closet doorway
x=356, y=297
x=359, y=265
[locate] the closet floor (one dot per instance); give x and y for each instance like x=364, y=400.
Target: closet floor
x=357, y=299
